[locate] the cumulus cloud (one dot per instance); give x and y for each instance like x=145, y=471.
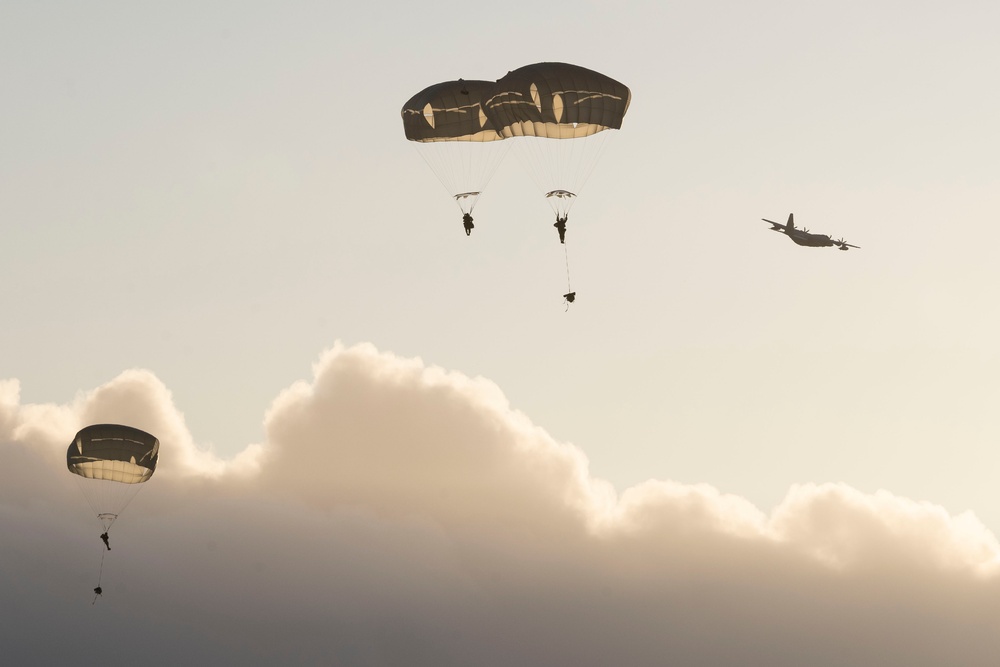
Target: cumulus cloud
x=137, y=398
x=398, y=513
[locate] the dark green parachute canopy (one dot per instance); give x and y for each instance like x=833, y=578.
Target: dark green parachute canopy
x=449, y=111
x=113, y=453
x=455, y=137
x=556, y=101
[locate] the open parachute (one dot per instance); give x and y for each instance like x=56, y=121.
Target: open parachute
x=456, y=139
x=110, y=463
x=558, y=116
x=560, y=112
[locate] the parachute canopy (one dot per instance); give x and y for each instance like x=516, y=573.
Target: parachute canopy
x=449, y=111
x=556, y=101
x=558, y=114
x=113, y=453
x=111, y=462
x=455, y=137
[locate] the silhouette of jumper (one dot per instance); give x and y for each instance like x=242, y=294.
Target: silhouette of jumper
x=560, y=225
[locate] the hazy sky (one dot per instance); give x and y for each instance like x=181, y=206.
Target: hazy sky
x=385, y=442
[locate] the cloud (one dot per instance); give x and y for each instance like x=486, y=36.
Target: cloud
x=400, y=438
x=136, y=398
x=398, y=513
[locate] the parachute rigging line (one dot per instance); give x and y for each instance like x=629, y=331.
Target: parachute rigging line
x=118, y=497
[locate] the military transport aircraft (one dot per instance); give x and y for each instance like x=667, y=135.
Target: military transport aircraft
x=803, y=237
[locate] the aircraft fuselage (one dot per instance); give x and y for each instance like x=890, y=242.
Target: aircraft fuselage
x=807, y=239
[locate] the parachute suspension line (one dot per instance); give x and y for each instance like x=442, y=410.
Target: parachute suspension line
x=463, y=167
x=129, y=499
x=588, y=166
x=438, y=165
x=107, y=499
x=81, y=483
x=561, y=164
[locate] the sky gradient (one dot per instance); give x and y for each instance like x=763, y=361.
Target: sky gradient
x=382, y=438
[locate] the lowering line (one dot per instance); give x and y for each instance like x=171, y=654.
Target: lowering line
x=570, y=295
x=100, y=575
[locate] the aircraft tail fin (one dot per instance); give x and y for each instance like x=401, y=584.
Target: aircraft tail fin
x=791, y=221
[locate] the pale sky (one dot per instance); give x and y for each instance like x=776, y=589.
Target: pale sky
x=210, y=213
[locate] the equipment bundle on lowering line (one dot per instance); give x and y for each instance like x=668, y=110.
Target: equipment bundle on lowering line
x=570, y=296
